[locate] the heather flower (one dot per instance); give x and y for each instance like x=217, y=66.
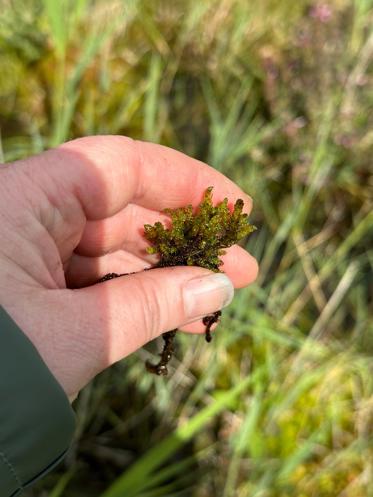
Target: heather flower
x=321, y=12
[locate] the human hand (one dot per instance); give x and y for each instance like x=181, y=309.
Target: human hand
x=72, y=214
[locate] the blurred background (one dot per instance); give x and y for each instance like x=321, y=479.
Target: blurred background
x=277, y=95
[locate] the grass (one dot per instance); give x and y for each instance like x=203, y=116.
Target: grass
x=277, y=95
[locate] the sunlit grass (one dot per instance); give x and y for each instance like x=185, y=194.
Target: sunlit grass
x=277, y=95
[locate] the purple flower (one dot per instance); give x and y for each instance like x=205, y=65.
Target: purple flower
x=322, y=12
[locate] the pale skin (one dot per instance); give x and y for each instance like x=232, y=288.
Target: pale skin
x=72, y=214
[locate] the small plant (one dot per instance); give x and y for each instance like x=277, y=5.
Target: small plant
x=195, y=238
x=198, y=239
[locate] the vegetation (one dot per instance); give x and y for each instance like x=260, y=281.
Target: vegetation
x=195, y=239
x=277, y=95
x=198, y=238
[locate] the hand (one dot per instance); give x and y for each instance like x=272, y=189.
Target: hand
x=72, y=214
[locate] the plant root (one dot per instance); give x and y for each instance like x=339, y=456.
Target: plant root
x=110, y=276
x=160, y=369
x=208, y=321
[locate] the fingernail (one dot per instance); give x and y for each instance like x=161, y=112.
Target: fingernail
x=207, y=294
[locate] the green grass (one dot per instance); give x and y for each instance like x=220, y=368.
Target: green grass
x=280, y=404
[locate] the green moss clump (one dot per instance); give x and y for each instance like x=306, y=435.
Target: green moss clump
x=198, y=238
x=195, y=239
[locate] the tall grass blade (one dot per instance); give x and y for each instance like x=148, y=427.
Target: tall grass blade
x=134, y=480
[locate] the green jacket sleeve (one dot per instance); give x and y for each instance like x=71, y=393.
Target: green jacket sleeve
x=36, y=419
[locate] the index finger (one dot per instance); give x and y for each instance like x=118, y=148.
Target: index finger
x=108, y=172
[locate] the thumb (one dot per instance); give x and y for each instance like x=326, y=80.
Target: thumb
x=122, y=314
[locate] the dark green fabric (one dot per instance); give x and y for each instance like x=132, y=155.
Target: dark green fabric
x=36, y=420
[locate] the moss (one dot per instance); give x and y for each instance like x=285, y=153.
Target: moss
x=196, y=239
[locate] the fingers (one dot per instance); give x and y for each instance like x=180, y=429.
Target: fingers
x=197, y=327
x=123, y=314
x=84, y=271
x=239, y=265
x=80, y=332
x=177, y=179
x=241, y=268
x=107, y=172
x=124, y=230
